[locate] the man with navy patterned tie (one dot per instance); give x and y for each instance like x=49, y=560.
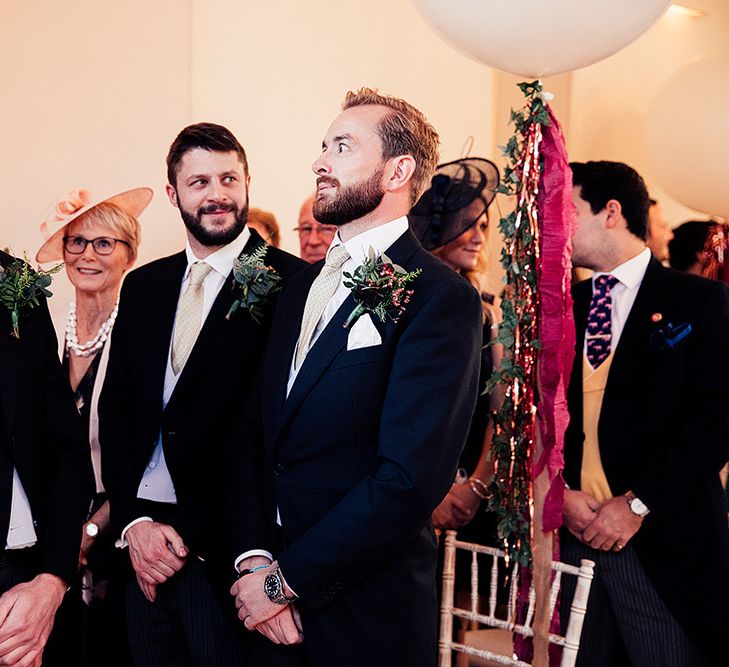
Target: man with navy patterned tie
x=649, y=432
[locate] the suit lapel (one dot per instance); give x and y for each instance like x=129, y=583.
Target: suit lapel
x=633, y=341
x=162, y=318
x=10, y=354
x=216, y=329
x=332, y=340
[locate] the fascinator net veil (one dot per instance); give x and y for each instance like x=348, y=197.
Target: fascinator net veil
x=459, y=193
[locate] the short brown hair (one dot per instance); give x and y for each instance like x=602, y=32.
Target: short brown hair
x=403, y=131
x=208, y=136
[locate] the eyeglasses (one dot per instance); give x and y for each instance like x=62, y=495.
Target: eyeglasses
x=103, y=245
x=322, y=230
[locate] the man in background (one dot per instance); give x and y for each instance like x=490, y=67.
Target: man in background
x=648, y=435
x=659, y=232
x=314, y=238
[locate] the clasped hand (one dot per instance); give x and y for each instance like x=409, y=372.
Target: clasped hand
x=157, y=552
x=607, y=526
x=279, y=623
x=27, y=612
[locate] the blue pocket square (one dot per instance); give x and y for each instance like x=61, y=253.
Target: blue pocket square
x=670, y=336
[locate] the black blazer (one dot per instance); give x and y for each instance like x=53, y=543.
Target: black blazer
x=357, y=457
x=42, y=436
x=195, y=425
x=664, y=434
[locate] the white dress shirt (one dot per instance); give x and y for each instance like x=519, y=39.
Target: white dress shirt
x=156, y=483
x=21, y=530
x=630, y=276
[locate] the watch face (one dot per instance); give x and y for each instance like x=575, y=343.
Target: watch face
x=638, y=507
x=272, y=585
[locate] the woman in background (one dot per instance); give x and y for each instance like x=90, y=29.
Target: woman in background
x=451, y=220
x=98, y=241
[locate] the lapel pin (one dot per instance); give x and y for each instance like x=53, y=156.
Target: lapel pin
x=656, y=317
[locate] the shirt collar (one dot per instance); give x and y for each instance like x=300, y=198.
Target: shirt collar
x=630, y=273
x=380, y=238
x=221, y=260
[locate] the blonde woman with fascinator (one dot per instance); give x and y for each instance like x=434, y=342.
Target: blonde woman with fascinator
x=450, y=220
x=98, y=241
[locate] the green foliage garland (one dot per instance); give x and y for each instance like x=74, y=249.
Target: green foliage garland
x=515, y=421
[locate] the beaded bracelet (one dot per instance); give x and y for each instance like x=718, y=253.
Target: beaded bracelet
x=479, y=488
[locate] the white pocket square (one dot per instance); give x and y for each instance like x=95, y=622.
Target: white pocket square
x=363, y=333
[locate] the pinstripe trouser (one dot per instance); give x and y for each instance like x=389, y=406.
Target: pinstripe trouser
x=186, y=625
x=627, y=623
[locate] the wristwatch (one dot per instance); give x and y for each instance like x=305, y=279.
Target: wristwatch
x=92, y=529
x=637, y=506
x=273, y=586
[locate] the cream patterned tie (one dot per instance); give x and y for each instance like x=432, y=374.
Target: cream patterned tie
x=189, y=316
x=322, y=290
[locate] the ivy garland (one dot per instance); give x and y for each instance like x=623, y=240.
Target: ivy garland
x=515, y=421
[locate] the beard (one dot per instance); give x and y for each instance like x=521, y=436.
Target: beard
x=217, y=236
x=351, y=202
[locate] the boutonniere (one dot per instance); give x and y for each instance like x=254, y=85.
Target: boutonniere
x=670, y=336
x=254, y=282
x=21, y=286
x=379, y=287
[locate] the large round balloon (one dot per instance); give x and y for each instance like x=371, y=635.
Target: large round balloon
x=537, y=38
x=687, y=136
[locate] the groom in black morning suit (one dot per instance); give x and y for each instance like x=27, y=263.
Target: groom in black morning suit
x=179, y=372
x=649, y=432
x=45, y=483
x=361, y=427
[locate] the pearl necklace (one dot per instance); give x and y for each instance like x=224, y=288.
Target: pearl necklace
x=97, y=342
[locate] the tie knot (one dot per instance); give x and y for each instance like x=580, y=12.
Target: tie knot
x=605, y=283
x=198, y=272
x=337, y=256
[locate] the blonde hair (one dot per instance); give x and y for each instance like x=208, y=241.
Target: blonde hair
x=403, y=131
x=120, y=223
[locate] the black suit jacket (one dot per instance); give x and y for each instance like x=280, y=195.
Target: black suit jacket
x=42, y=436
x=196, y=423
x=357, y=457
x=664, y=434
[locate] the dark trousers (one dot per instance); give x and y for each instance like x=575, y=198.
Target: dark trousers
x=186, y=625
x=627, y=623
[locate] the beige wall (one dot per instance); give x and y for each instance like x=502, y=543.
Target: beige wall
x=93, y=91
x=610, y=99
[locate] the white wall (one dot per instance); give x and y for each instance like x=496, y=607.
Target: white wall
x=279, y=70
x=610, y=99
x=94, y=91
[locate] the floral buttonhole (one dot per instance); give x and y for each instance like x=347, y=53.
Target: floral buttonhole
x=379, y=286
x=21, y=286
x=254, y=283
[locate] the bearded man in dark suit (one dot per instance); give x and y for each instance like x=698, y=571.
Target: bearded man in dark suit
x=361, y=426
x=649, y=432
x=182, y=363
x=45, y=483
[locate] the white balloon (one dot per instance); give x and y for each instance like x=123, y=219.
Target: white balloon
x=687, y=136
x=536, y=38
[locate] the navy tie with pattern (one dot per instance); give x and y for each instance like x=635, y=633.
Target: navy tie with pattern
x=599, y=320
